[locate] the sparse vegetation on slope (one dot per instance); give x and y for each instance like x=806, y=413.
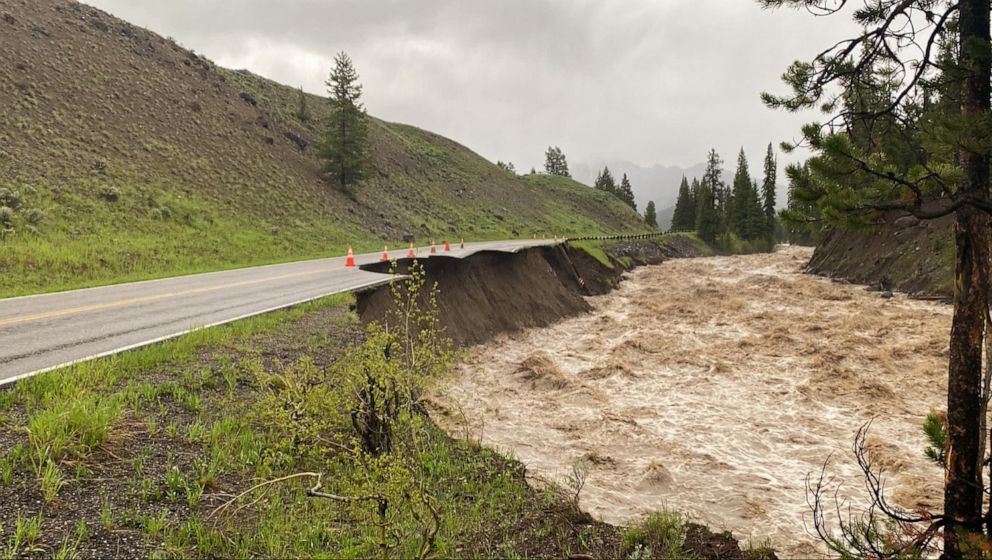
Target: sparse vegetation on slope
x=132, y=157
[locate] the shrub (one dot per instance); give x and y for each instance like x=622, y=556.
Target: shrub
x=110, y=194
x=11, y=199
x=35, y=216
x=161, y=213
x=6, y=216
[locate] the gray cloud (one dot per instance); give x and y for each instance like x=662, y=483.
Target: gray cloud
x=649, y=81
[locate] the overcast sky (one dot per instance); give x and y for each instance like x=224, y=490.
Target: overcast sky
x=649, y=81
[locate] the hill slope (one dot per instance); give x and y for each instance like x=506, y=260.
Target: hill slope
x=125, y=156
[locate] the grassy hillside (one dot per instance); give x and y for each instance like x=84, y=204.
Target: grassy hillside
x=124, y=156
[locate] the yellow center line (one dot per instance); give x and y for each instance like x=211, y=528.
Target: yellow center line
x=145, y=299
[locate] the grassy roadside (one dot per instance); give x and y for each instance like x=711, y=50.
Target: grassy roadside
x=133, y=456
x=604, y=250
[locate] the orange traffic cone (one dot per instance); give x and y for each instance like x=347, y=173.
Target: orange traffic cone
x=385, y=253
x=350, y=261
x=411, y=253
x=463, y=243
x=447, y=246
x=433, y=248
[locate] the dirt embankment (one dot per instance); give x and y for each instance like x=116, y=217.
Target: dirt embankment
x=493, y=293
x=903, y=254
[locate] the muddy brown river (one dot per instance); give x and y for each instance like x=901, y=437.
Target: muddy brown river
x=713, y=387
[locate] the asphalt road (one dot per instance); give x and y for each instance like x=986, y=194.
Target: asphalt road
x=48, y=331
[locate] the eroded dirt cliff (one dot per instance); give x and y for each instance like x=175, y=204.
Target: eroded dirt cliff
x=903, y=254
x=494, y=293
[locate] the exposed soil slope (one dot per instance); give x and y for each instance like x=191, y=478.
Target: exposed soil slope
x=494, y=293
x=129, y=156
x=902, y=254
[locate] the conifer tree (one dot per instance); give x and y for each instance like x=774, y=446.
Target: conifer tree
x=768, y=192
x=345, y=144
x=694, y=196
x=651, y=214
x=740, y=204
x=605, y=181
x=507, y=166
x=302, y=113
x=626, y=192
x=707, y=214
x=713, y=187
x=555, y=163
x=684, y=218
x=757, y=222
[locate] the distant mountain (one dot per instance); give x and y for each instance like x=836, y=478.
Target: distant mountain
x=665, y=216
x=659, y=183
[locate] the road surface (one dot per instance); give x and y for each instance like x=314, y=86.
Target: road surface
x=48, y=331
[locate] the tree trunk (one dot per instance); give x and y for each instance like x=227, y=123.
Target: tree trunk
x=986, y=436
x=962, y=482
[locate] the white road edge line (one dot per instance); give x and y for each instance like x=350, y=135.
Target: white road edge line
x=373, y=284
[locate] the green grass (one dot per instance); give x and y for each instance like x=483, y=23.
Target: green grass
x=660, y=535
x=599, y=249
x=25, y=536
x=72, y=427
x=86, y=241
x=595, y=250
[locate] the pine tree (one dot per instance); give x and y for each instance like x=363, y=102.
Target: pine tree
x=507, y=166
x=694, y=196
x=713, y=187
x=626, y=192
x=757, y=223
x=707, y=214
x=740, y=203
x=684, y=218
x=605, y=181
x=768, y=192
x=555, y=163
x=301, y=112
x=345, y=144
x=651, y=215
